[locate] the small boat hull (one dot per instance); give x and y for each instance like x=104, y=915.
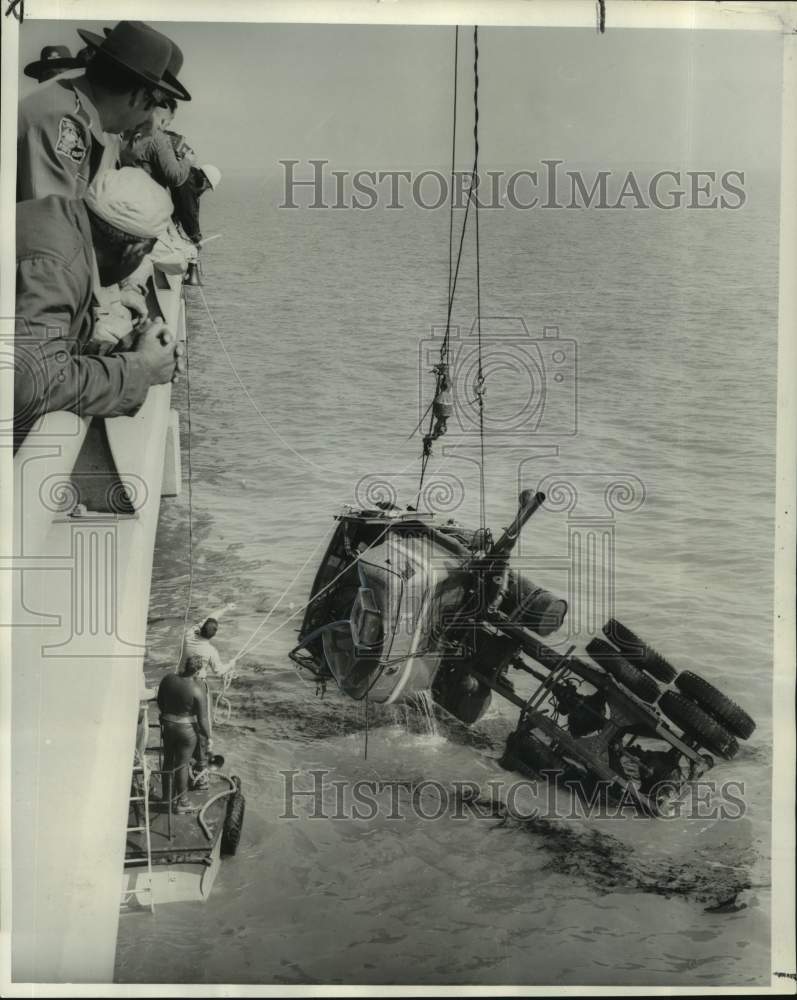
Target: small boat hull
x=171, y=882
x=185, y=848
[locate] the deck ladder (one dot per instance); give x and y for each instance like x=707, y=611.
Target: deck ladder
x=140, y=767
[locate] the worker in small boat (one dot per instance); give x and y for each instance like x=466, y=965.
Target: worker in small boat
x=197, y=646
x=64, y=247
x=196, y=643
x=69, y=131
x=183, y=704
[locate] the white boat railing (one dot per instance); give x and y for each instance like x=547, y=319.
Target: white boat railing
x=81, y=587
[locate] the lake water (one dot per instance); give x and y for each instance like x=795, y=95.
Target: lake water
x=322, y=315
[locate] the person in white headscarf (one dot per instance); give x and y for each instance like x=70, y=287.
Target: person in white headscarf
x=66, y=246
x=117, y=310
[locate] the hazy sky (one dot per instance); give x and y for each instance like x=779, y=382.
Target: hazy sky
x=375, y=96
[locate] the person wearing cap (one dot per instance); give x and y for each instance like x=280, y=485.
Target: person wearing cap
x=68, y=131
x=64, y=247
x=186, y=199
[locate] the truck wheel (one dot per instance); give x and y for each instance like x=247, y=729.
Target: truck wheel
x=697, y=724
x=533, y=753
x=613, y=663
x=734, y=718
x=638, y=652
x=461, y=694
x=234, y=820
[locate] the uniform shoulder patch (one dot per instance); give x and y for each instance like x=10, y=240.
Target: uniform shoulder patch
x=70, y=144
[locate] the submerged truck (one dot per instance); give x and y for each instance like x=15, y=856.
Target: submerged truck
x=404, y=603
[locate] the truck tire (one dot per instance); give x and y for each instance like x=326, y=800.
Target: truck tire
x=533, y=753
x=638, y=652
x=461, y=695
x=696, y=724
x=733, y=718
x=621, y=670
x=233, y=820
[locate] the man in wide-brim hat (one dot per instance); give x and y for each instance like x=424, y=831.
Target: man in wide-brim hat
x=69, y=130
x=174, y=88
x=55, y=59
x=160, y=152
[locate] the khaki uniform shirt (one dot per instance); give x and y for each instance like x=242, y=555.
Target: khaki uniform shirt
x=55, y=277
x=61, y=147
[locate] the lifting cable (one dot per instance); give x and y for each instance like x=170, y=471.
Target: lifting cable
x=442, y=404
x=453, y=167
x=365, y=746
x=190, y=502
x=480, y=373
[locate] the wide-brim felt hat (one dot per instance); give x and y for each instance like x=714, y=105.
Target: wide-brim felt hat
x=171, y=71
x=53, y=59
x=140, y=49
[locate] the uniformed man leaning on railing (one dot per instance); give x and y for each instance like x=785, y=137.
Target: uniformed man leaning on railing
x=66, y=247
x=69, y=131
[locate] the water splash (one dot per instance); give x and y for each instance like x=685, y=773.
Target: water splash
x=417, y=715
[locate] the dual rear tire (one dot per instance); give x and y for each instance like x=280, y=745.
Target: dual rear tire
x=638, y=652
x=621, y=670
x=698, y=724
x=715, y=703
x=700, y=710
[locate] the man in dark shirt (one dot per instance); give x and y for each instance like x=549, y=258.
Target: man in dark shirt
x=186, y=199
x=183, y=705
